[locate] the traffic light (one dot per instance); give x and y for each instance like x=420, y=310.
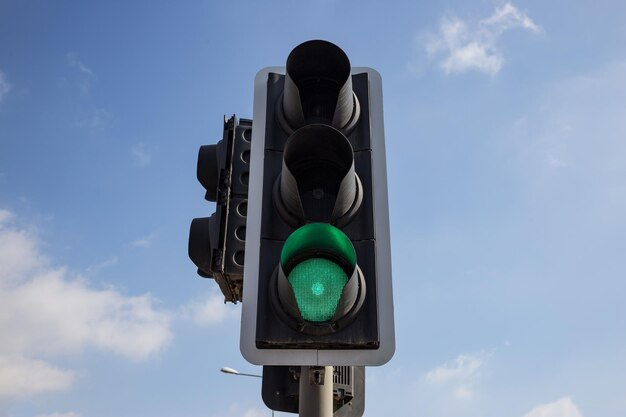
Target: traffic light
x=318, y=268
x=216, y=243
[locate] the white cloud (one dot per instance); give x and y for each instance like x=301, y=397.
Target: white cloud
x=564, y=407
x=47, y=312
x=5, y=87
x=459, y=375
x=142, y=154
x=209, y=309
x=509, y=17
x=18, y=251
x=144, y=242
x=5, y=215
x=53, y=314
x=453, y=388
x=20, y=376
x=461, y=46
x=60, y=415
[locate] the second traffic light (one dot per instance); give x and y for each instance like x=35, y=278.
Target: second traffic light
x=318, y=269
x=216, y=243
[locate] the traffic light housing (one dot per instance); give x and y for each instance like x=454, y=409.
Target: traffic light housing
x=318, y=268
x=217, y=243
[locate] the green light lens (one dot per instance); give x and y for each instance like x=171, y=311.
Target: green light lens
x=317, y=284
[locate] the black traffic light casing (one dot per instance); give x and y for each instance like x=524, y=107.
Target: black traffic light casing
x=217, y=243
x=275, y=230
x=299, y=133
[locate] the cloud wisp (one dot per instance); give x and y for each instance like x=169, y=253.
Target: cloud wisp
x=208, y=310
x=461, y=46
x=75, y=62
x=458, y=376
x=453, y=388
x=87, y=74
x=5, y=87
x=142, y=154
x=145, y=241
x=71, y=414
x=564, y=407
x=569, y=149
x=89, y=116
x=20, y=376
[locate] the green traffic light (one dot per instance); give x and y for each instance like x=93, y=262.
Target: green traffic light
x=317, y=284
x=315, y=258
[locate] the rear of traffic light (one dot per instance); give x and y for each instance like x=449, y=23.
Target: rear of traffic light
x=217, y=243
x=319, y=262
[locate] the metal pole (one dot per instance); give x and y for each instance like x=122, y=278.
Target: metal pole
x=316, y=391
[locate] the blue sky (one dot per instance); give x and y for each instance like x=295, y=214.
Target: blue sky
x=505, y=131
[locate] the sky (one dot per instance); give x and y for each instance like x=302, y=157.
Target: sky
x=505, y=126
